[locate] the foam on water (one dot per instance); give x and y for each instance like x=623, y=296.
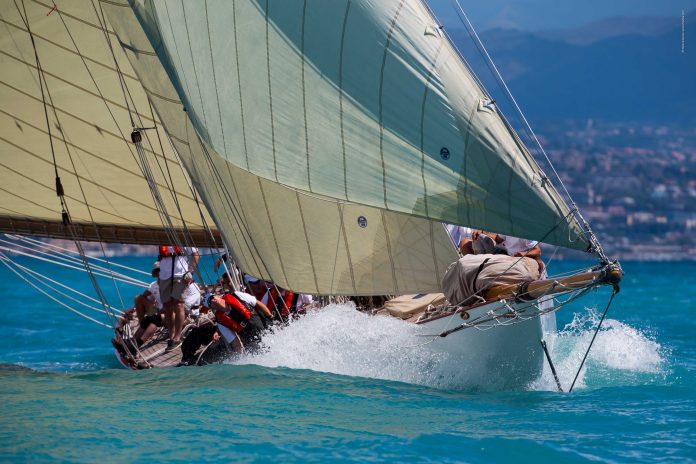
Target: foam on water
x=620, y=355
x=340, y=340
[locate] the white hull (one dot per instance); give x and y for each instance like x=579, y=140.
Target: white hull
x=491, y=355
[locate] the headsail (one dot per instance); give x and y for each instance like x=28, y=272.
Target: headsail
x=300, y=122
x=356, y=100
x=90, y=127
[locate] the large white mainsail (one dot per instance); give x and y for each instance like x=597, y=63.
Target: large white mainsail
x=309, y=126
x=90, y=124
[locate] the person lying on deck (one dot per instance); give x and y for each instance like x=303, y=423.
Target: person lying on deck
x=512, y=246
x=461, y=238
x=521, y=247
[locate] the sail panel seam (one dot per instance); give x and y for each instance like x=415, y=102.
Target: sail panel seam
x=381, y=101
x=309, y=246
x=239, y=81
x=426, y=92
x=340, y=99
x=195, y=70
x=270, y=96
x=273, y=234
x=389, y=251
x=64, y=81
x=345, y=240
x=66, y=49
x=304, y=94
x=212, y=63
x=76, y=175
x=84, y=150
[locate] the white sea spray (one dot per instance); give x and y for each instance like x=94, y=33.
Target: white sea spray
x=620, y=354
x=338, y=339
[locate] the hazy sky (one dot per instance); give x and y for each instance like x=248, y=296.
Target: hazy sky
x=553, y=14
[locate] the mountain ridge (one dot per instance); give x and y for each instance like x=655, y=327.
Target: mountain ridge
x=636, y=75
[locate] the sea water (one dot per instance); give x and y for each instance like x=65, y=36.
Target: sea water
x=338, y=385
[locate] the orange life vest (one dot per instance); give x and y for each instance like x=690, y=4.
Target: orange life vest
x=281, y=303
x=164, y=251
x=237, y=317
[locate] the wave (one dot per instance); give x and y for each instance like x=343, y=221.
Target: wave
x=340, y=340
x=621, y=355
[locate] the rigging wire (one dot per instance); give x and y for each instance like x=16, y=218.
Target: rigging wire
x=77, y=268
x=30, y=251
x=121, y=79
x=41, y=277
x=4, y=261
x=144, y=164
x=38, y=276
x=594, y=242
x=136, y=138
x=599, y=326
x=67, y=250
x=237, y=284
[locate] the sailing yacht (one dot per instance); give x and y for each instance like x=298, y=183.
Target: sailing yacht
x=323, y=143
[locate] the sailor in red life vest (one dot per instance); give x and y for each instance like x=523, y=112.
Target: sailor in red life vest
x=281, y=302
x=238, y=315
x=241, y=313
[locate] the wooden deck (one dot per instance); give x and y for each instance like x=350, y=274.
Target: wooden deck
x=153, y=353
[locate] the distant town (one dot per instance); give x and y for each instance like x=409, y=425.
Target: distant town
x=634, y=182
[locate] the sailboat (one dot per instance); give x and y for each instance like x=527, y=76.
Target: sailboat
x=323, y=143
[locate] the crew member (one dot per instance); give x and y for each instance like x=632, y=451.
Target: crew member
x=175, y=276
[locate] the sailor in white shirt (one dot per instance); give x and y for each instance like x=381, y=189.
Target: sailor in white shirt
x=174, y=278
x=192, y=299
x=523, y=247
x=460, y=236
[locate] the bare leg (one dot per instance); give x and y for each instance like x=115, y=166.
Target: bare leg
x=179, y=319
x=148, y=332
x=140, y=306
x=169, y=308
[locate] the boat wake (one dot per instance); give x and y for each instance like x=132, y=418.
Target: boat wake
x=340, y=340
x=621, y=355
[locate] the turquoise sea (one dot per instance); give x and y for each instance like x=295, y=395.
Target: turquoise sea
x=342, y=386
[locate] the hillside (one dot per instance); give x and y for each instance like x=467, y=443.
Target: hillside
x=638, y=75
